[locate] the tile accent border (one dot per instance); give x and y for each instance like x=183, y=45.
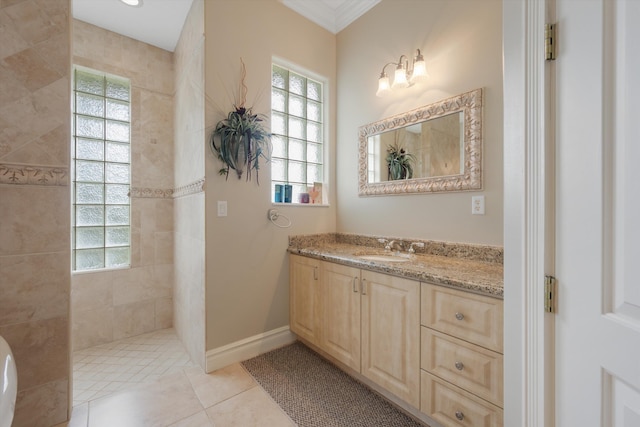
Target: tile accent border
x=247, y=348
x=151, y=193
x=167, y=193
x=34, y=175
x=59, y=176
x=186, y=190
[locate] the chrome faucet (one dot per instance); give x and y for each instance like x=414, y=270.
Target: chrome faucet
x=388, y=245
x=393, y=243
x=384, y=242
x=416, y=244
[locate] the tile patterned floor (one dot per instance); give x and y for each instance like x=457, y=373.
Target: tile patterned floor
x=101, y=370
x=163, y=389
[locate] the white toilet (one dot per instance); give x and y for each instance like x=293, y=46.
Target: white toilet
x=8, y=384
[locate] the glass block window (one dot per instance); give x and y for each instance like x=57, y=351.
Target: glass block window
x=297, y=128
x=101, y=171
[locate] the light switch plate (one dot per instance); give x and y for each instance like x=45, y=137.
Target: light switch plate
x=477, y=205
x=222, y=208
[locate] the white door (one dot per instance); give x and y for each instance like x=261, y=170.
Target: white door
x=598, y=213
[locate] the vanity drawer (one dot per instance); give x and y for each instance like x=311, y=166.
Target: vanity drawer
x=454, y=407
x=468, y=366
x=471, y=317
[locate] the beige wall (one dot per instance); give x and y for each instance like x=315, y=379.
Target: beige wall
x=245, y=285
x=246, y=263
x=115, y=304
x=189, y=312
x=462, y=43
x=34, y=201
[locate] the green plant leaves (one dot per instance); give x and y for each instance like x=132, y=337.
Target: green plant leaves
x=399, y=163
x=241, y=141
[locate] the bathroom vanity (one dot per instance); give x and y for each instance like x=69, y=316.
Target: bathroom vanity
x=424, y=329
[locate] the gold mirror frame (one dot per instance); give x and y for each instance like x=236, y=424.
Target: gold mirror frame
x=470, y=103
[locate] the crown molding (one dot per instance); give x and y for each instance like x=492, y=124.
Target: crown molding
x=349, y=11
x=333, y=15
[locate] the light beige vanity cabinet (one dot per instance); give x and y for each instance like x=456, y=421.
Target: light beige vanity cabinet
x=438, y=349
x=391, y=334
x=368, y=321
x=340, y=315
x=304, y=295
x=461, y=357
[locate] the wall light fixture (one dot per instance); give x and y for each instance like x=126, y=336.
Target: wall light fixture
x=403, y=76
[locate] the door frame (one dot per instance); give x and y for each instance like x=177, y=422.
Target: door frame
x=528, y=216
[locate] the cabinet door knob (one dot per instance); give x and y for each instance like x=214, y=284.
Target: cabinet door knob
x=355, y=286
x=459, y=415
x=459, y=366
x=363, y=286
x=459, y=316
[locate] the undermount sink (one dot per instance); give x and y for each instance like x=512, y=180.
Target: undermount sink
x=384, y=258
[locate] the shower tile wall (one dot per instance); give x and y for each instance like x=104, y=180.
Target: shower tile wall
x=189, y=293
x=34, y=208
x=111, y=305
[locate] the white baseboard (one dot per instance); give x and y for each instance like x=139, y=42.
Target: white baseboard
x=247, y=348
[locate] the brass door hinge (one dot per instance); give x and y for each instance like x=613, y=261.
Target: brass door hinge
x=550, y=294
x=549, y=42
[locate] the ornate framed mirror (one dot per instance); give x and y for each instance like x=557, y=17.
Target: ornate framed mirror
x=434, y=148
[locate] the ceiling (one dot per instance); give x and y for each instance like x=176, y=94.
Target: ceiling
x=159, y=22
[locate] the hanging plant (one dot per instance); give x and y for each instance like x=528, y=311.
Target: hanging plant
x=399, y=163
x=240, y=140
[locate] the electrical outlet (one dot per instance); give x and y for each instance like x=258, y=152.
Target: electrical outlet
x=477, y=205
x=222, y=208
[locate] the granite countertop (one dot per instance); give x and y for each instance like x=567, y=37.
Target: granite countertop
x=464, y=273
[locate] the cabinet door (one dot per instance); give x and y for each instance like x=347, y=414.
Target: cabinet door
x=340, y=295
x=391, y=334
x=304, y=294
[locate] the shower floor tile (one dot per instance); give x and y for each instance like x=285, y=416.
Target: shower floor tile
x=120, y=365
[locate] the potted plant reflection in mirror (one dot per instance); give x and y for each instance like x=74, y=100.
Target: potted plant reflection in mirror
x=399, y=163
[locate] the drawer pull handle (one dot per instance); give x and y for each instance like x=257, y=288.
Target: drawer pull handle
x=459, y=366
x=459, y=316
x=459, y=415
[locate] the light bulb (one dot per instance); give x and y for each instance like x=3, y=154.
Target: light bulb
x=419, y=71
x=383, y=85
x=400, y=78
